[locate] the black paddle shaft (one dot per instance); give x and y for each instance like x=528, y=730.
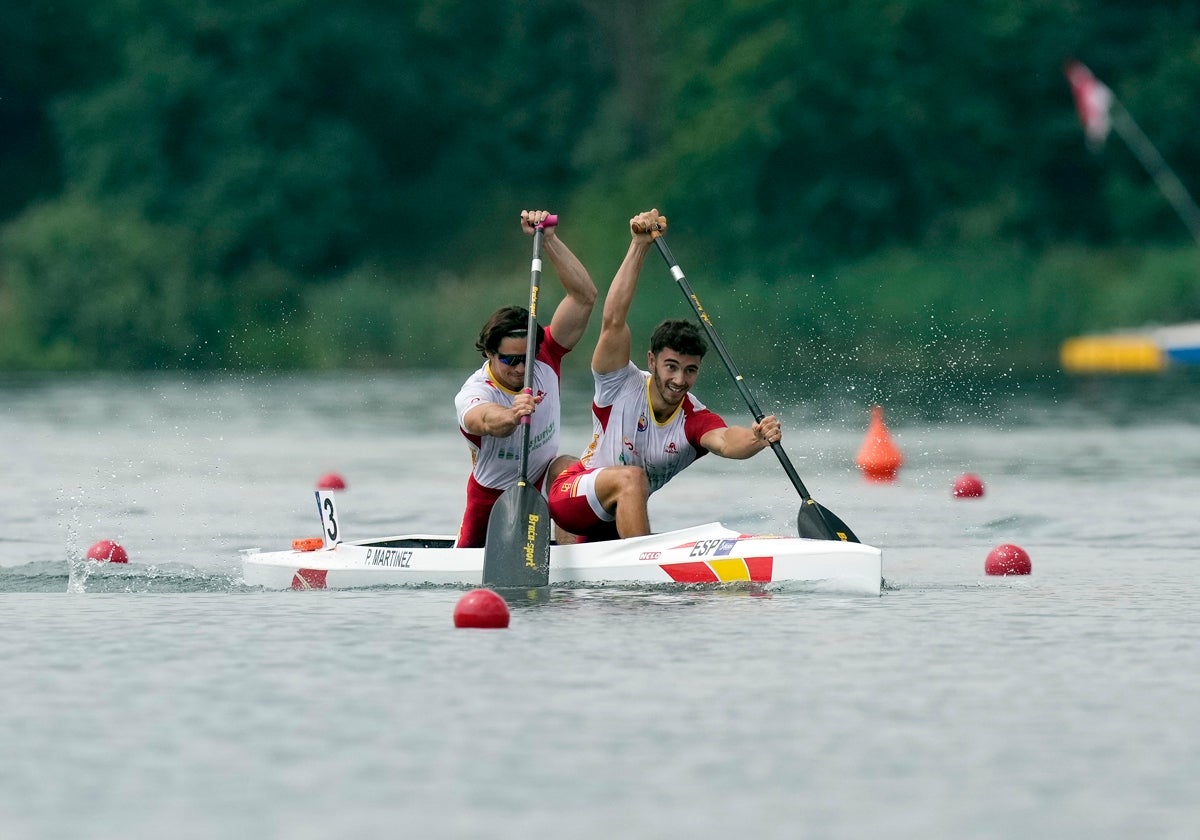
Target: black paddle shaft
x=535, y=281
x=743, y=389
x=825, y=522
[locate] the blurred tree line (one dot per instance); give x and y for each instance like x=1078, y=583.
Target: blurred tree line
x=301, y=183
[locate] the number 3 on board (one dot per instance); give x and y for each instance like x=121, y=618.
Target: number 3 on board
x=329, y=518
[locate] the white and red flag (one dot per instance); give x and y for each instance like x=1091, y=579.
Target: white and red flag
x=1093, y=101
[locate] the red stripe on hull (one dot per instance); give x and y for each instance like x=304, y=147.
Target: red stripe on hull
x=309, y=579
x=690, y=572
x=760, y=568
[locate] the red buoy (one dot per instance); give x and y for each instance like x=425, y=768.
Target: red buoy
x=879, y=458
x=107, y=551
x=481, y=608
x=968, y=486
x=331, y=481
x=1008, y=559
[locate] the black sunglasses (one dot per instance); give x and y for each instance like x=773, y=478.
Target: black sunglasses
x=511, y=359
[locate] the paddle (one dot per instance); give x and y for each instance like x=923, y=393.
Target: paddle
x=814, y=521
x=517, y=552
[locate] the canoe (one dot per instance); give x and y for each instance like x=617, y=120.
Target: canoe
x=701, y=554
x=708, y=553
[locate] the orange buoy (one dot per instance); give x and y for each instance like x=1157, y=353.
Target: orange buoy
x=481, y=608
x=879, y=458
x=331, y=481
x=107, y=551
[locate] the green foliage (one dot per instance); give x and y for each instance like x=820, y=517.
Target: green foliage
x=49, y=49
x=208, y=183
x=1077, y=290
x=84, y=287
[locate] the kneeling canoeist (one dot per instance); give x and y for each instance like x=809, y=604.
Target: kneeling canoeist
x=491, y=404
x=646, y=425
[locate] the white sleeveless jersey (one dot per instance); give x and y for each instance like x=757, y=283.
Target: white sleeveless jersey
x=624, y=430
x=495, y=460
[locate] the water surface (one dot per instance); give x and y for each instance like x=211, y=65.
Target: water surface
x=165, y=697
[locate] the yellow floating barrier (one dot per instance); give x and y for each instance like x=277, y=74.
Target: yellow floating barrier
x=1118, y=353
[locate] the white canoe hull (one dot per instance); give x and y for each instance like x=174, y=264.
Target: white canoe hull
x=704, y=554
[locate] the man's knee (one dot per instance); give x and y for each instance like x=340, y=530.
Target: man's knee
x=629, y=483
x=558, y=465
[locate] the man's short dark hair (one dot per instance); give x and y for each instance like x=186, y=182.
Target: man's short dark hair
x=509, y=321
x=684, y=337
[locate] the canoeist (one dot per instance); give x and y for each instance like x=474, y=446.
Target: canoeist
x=490, y=404
x=646, y=424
